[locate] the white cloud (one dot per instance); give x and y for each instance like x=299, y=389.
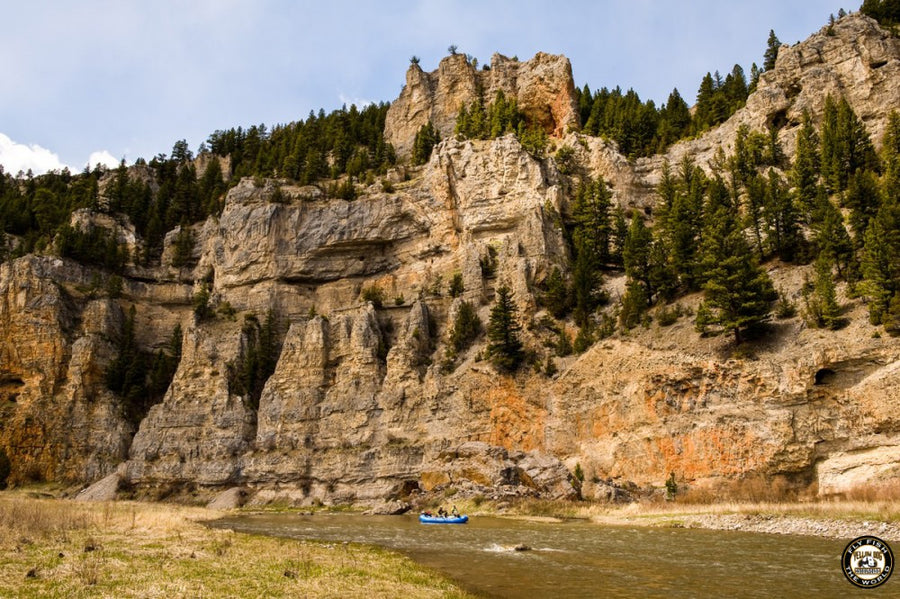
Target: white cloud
x=17, y=157
x=104, y=158
x=360, y=102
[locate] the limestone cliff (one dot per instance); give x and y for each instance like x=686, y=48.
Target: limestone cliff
x=364, y=405
x=543, y=88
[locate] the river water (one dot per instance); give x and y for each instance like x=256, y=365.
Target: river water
x=579, y=559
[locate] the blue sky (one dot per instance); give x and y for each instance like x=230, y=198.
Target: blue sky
x=104, y=80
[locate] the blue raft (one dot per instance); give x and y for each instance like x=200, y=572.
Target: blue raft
x=443, y=520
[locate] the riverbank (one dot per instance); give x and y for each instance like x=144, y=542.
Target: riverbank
x=839, y=518
x=62, y=548
x=842, y=523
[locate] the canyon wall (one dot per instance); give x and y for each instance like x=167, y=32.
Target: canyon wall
x=364, y=404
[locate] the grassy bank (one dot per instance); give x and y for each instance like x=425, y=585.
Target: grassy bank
x=59, y=548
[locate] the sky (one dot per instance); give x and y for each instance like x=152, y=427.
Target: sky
x=93, y=81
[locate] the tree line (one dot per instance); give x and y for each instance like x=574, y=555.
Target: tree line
x=344, y=142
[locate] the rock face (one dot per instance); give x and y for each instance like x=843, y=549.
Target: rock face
x=858, y=61
x=542, y=86
x=365, y=405
x=58, y=421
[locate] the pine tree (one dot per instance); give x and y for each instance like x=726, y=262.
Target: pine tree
x=591, y=238
x=754, y=78
x=863, y=199
x=880, y=261
x=591, y=215
x=831, y=237
x=846, y=146
x=426, y=138
x=737, y=293
x=782, y=219
x=558, y=296
x=504, y=347
x=886, y=12
x=184, y=247
x=771, y=54
x=636, y=254
x=703, y=113
x=823, y=309
x=891, y=158
x=754, y=207
x=805, y=172
x=466, y=328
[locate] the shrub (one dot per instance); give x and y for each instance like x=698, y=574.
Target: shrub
x=202, y=309
x=375, y=295
x=565, y=160
x=466, y=328
x=456, y=285
x=488, y=262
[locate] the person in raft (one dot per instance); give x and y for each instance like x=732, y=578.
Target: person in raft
x=454, y=512
x=442, y=512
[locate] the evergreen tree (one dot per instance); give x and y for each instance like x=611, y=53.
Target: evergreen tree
x=880, y=262
x=738, y=293
x=466, y=328
x=805, y=172
x=846, y=146
x=256, y=360
x=771, y=54
x=591, y=238
x=591, y=215
x=504, y=347
x=637, y=256
x=831, y=237
x=634, y=304
x=754, y=208
x=184, y=247
x=703, y=112
x=754, y=78
x=782, y=219
x=822, y=308
x=212, y=187
x=886, y=12
x=557, y=297
x=862, y=198
x=426, y=138
x=126, y=375
x=891, y=158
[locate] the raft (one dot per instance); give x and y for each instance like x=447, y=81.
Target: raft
x=443, y=520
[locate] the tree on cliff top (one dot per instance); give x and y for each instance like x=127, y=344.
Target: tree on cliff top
x=772, y=46
x=886, y=12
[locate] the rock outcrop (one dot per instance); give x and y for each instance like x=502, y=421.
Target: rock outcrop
x=855, y=59
x=543, y=88
x=365, y=403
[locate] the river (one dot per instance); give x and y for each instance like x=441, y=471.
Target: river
x=579, y=559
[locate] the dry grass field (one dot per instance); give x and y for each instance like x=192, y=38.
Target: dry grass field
x=60, y=548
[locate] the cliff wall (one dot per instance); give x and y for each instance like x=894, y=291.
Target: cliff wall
x=363, y=404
